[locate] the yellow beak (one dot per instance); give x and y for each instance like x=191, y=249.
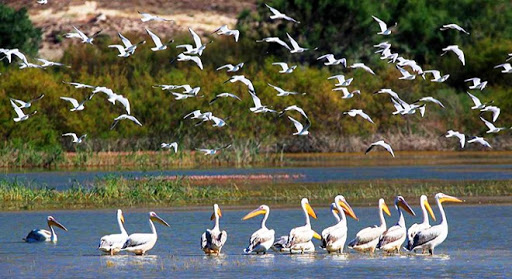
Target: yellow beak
x=385, y=208
x=447, y=198
x=122, y=218
x=317, y=236
x=159, y=220
x=254, y=213
x=57, y=224
x=405, y=206
x=346, y=207
x=218, y=213
x=429, y=209
x=310, y=211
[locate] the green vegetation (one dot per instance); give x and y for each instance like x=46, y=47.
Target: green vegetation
x=17, y=31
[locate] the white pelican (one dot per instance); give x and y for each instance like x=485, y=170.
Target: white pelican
x=333, y=61
x=383, y=144
x=278, y=15
x=491, y=127
x=460, y=136
x=355, y=112
x=454, y=27
x=274, y=40
x=477, y=83
x=457, y=51
x=85, y=38
x=341, y=80
x=26, y=104
x=405, y=74
x=284, y=67
x=362, y=66
x=76, y=139
x=231, y=68
x=384, y=30
x=368, y=238
x=435, y=235
x=302, y=130
x=392, y=239
x=480, y=140
x=507, y=68
x=149, y=17
x=158, y=42
x=113, y=243
x=437, y=76
x=21, y=116
x=173, y=145
x=262, y=239
x=140, y=243
x=224, y=30
x=224, y=95
x=76, y=106
x=495, y=112
x=415, y=228
x=334, y=237
x=213, y=240
x=125, y=116
x=40, y=235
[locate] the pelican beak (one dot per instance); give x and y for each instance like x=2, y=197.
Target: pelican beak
x=335, y=210
x=57, y=224
x=310, y=211
x=317, y=236
x=157, y=218
x=254, y=213
x=385, y=208
x=122, y=218
x=346, y=207
x=405, y=206
x=429, y=209
x=449, y=199
x=219, y=212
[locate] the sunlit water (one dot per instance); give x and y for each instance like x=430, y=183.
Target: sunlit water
x=478, y=245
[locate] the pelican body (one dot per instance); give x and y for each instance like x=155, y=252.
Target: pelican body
x=140, y=243
x=262, y=239
x=113, y=243
x=213, y=240
x=428, y=239
x=415, y=228
x=368, y=238
x=40, y=235
x=392, y=239
x=334, y=237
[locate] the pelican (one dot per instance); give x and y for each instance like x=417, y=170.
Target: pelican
x=27, y=104
x=393, y=237
x=383, y=144
x=173, y=145
x=21, y=116
x=334, y=237
x=454, y=27
x=262, y=239
x=213, y=240
x=158, y=42
x=224, y=30
x=333, y=61
x=460, y=136
x=85, y=38
x=355, y=112
x=40, y=235
x=149, y=17
x=435, y=235
x=76, y=139
x=507, y=68
x=457, y=51
x=368, y=238
x=125, y=116
x=384, y=30
x=284, y=67
x=113, y=243
x=140, y=243
x=341, y=80
x=362, y=66
x=415, y=228
x=278, y=15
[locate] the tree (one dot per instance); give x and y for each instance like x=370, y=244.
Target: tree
x=17, y=31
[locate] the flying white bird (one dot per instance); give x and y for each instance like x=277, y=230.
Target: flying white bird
x=382, y=46
x=333, y=61
x=346, y=94
x=437, y=76
x=26, y=65
x=477, y=83
x=149, y=17
x=231, y=68
x=431, y=100
x=47, y=63
x=341, y=80
x=460, y=136
x=8, y=53
x=195, y=59
x=457, y=51
x=386, y=54
x=274, y=40
x=243, y=80
x=284, y=67
x=402, y=62
x=158, y=42
x=282, y=92
x=476, y=101
x=495, y=112
x=195, y=114
x=258, y=107
x=123, y=117
x=75, y=138
x=113, y=97
x=79, y=85
x=85, y=38
x=191, y=49
x=212, y=151
x=355, y=112
x=384, y=30
x=479, y=140
x=278, y=15
x=405, y=74
x=295, y=108
x=129, y=47
x=173, y=145
x=380, y=143
x=26, y=104
x=492, y=128
x=295, y=45
x=454, y=27
x=121, y=49
x=224, y=30
x=76, y=106
x=224, y=95
x=507, y=69
x=362, y=66
x=301, y=129
x=42, y=2
x=179, y=96
x=21, y=115
x=390, y=92
x=509, y=57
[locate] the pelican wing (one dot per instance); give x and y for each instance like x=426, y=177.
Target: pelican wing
x=138, y=239
x=393, y=234
x=366, y=235
x=112, y=241
x=300, y=235
x=425, y=236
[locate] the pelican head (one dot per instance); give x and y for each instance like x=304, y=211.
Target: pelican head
x=400, y=202
x=443, y=198
x=54, y=223
x=307, y=208
x=263, y=209
x=155, y=218
x=424, y=202
x=120, y=215
x=384, y=207
x=345, y=206
x=216, y=212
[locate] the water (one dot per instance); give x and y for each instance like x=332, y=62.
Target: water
x=478, y=245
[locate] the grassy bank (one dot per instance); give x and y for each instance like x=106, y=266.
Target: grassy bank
x=157, y=192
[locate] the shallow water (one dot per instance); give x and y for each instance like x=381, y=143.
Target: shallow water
x=478, y=245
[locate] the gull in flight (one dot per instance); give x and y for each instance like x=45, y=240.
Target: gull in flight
x=195, y=59
x=437, y=76
x=231, y=68
x=21, y=115
x=282, y=92
x=479, y=140
x=382, y=46
x=258, y=107
x=26, y=64
x=507, y=69
x=149, y=17
x=75, y=138
x=362, y=66
x=460, y=136
x=346, y=94
x=457, y=51
x=274, y=40
x=383, y=144
x=212, y=151
x=179, y=96
x=333, y=61
x=79, y=85
x=243, y=80
x=224, y=95
x=22, y=104
x=431, y=100
x=384, y=30
x=123, y=117
x=85, y=38
x=390, y=92
x=492, y=128
x=196, y=114
x=341, y=80
x=208, y=116
x=405, y=74
x=76, y=106
x=386, y=54
x=158, y=42
x=199, y=46
x=9, y=52
x=278, y=15
x=402, y=62
x=295, y=108
x=113, y=97
x=454, y=27
x=495, y=112
x=476, y=101
x=47, y=63
x=301, y=129
x=295, y=45
x=477, y=83
x=355, y=112
x=224, y=30
x=121, y=49
x=173, y=145
x=129, y=47
x=284, y=67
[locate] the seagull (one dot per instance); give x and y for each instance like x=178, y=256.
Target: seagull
x=341, y=80
x=390, y=92
x=437, y=76
x=492, y=128
x=9, y=52
x=158, y=42
x=76, y=106
x=47, y=63
x=79, y=85
x=21, y=115
x=212, y=151
x=231, y=68
x=180, y=96
x=476, y=101
x=457, y=51
x=224, y=30
x=26, y=64
x=113, y=97
x=402, y=62
x=333, y=61
x=479, y=140
x=23, y=105
x=190, y=49
x=460, y=136
x=285, y=68
x=173, y=145
x=149, y=17
x=224, y=95
x=218, y=121
x=383, y=144
x=507, y=69
x=362, y=66
x=295, y=45
x=258, y=107
x=278, y=15
x=42, y=2
x=283, y=92
x=75, y=138
x=384, y=30
x=125, y=116
x=386, y=54
x=405, y=74
x=195, y=59
x=430, y=99
x=187, y=89
x=382, y=46
x=167, y=87
x=354, y=112
x=295, y=108
x=477, y=83
x=85, y=38
x=274, y=40
x=243, y=80
x=454, y=27
x=495, y=112
x=195, y=115
x=346, y=94
x=129, y=47
x=121, y=49
x=301, y=129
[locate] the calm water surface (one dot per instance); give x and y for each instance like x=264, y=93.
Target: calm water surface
x=478, y=245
